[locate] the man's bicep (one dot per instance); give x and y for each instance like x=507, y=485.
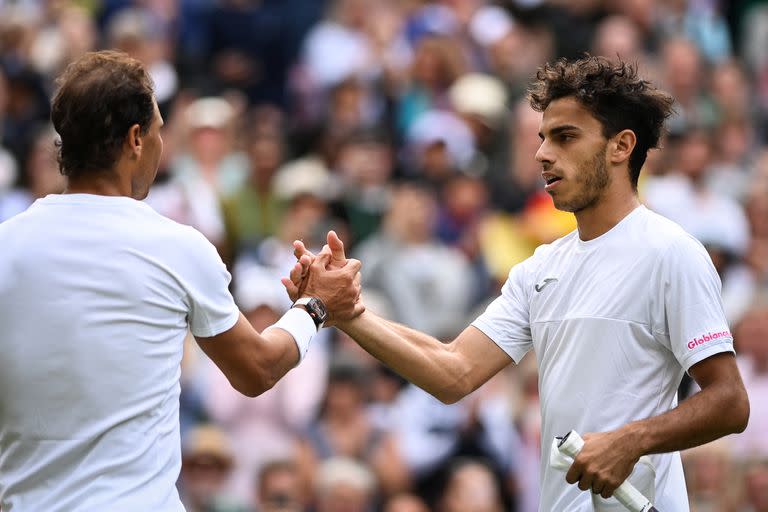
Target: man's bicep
x=717, y=369
x=227, y=349
x=482, y=358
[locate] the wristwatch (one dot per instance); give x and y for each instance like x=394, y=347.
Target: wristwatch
x=315, y=308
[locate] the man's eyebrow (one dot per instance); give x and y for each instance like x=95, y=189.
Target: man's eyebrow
x=560, y=129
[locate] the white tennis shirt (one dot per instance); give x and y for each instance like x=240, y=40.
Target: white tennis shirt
x=614, y=323
x=96, y=295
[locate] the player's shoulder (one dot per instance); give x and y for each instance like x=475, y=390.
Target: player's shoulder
x=548, y=250
x=173, y=231
x=663, y=235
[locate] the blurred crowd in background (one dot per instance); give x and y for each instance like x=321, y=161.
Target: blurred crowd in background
x=403, y=125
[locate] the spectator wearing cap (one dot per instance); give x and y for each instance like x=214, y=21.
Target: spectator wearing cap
x=208, y=168
x=266, y=427
x=207, y=461
x=438, y=145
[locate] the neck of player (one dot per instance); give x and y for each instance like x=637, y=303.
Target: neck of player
x=102, y=183
x=610, y=208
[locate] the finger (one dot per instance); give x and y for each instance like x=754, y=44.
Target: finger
x=299, y=248
x=607, y=491
x=574, y=474
x=597, y=488
x=337, y=247
x=585, y=482
x=353, y=265
x=297, y=272
x=323, y=258
x=305, y=261
x=290, y=288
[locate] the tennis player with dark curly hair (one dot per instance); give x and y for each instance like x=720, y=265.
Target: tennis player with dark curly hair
x=615, y=311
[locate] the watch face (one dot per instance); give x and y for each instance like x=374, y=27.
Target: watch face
x=318, y=308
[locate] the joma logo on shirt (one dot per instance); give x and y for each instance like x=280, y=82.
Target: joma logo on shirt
x=695, y=342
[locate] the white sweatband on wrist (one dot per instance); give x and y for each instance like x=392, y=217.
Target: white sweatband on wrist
x=297, y=323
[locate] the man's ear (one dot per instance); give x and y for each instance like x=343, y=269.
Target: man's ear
x=133, y=140
x=623, y=144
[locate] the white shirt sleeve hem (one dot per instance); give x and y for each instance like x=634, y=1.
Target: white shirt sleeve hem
x=485, y=328
x=723, y=346
x=218, y=328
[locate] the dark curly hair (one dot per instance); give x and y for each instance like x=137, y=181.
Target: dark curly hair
x=615, y=96
x=99, y=97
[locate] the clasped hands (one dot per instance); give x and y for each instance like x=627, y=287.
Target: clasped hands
x=329, y=276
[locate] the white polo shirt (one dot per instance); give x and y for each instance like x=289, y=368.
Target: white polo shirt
x=614, y=323
x=96, y=295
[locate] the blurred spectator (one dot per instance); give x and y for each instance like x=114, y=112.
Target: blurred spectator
x=140, y=34
x=344, y=485
x=207, y=460
x=617, y=36
x=751, y=337
x=405, y=503
x=430, y=434
x=682, y=75
x=472, y=486
x=439, y=144
x=438, y=61
x=345, y=429
x=409, y=265
x=68, y=32
x=364, y=167
x=757, y=213
x=209, y=168
x=41, y=173
x=279, y=488
x=702, y=22
x=252, y=211
x=708, y=476
x=756, y=485
x=249, y=46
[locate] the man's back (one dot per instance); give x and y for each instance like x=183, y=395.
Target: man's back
x=95, y=297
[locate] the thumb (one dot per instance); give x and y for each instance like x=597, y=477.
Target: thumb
x=337, y=248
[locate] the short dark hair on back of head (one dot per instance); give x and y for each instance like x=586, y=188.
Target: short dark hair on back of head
x=99, y=97
x=615, y=96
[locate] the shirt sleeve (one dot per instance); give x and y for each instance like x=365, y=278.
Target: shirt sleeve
x=212, y=309
x=506, y=320
x=695, y=326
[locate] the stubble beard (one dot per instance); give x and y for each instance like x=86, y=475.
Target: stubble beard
x=592, y=178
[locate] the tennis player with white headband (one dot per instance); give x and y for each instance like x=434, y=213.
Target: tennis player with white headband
x=615, y=311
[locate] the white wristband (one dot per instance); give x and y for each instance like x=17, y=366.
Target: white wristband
x=297, y=323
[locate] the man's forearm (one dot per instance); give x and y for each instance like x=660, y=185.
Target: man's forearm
x=714, y=412
x=418, y=357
